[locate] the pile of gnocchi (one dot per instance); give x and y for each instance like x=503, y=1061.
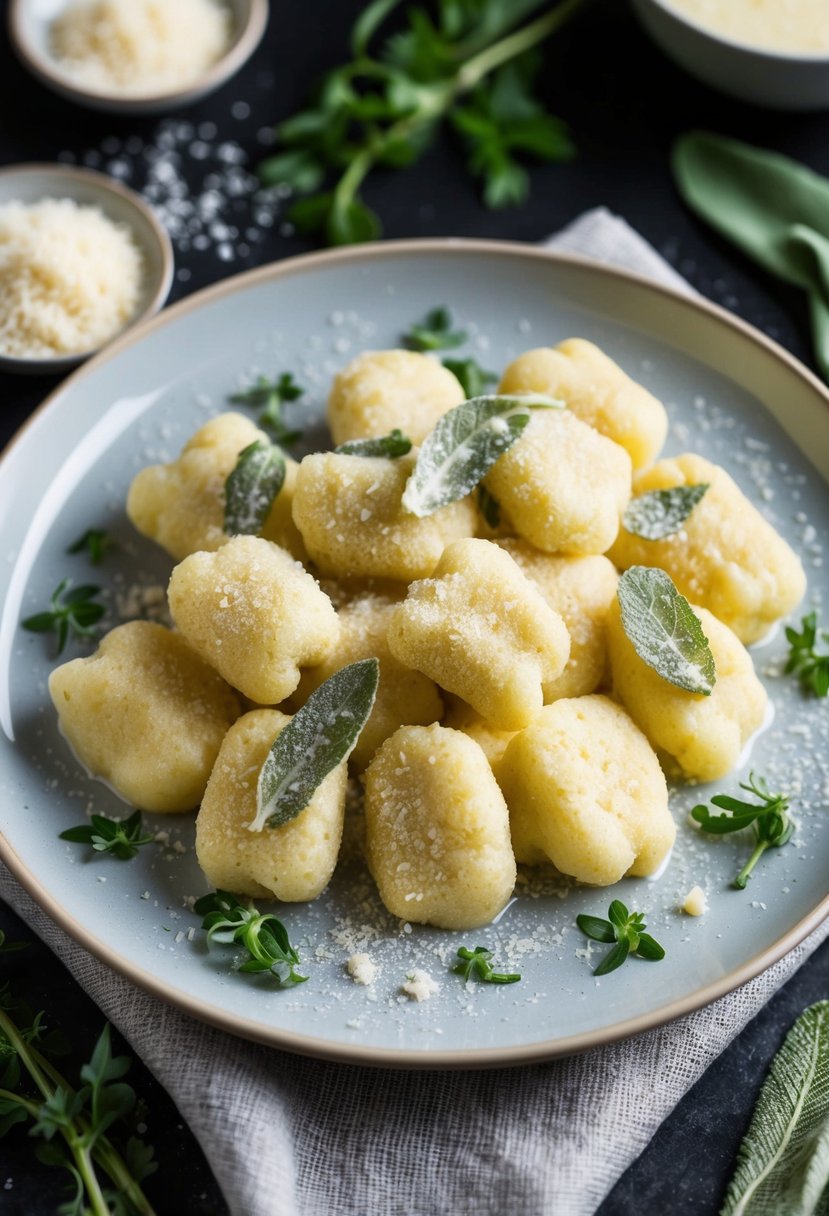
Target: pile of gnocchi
x=514, y=721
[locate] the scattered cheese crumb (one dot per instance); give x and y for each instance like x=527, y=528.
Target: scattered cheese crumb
x=420, y=985
x=361, y=969
x=695, y=902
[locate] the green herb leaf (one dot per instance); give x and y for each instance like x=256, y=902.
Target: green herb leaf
x=10, y=947
x=596, y=928
x=434, y=332
x=94, y=542
x=783, y=1163
x=660, y=513
x=271, y=395
x=120, y=837
x=664, y=630
x=614, y=958
x=252, y=488
x=297, y=168
x=367, y=24
x=772, y=826
x=473, y=378
x=108, y=1101
x=464, y=446
x=319, y=737
x=72, y=614
x=809, y=665
x=231, y=922
x=489, y=507
x=627, y=930
x=476, y=965
x=352, y=223
x=391, y=446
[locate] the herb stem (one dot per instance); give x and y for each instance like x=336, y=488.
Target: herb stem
x=31, y=1108
x=514, y=44
x=110, y=1160
x=86, y=1169
x=27, y=1057
x=742, y=878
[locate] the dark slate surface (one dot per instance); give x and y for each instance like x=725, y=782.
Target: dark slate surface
x=625, y=104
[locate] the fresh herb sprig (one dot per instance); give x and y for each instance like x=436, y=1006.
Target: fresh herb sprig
x=465, y=62
x=772, y=826
x=809, y=665
x=477, y=965
x=434, y=332
x=271, y=395
x=230, y=922
x=120, y=837
x=95, y=542
x=627, y=930
x=72, y=613
x=474, y=379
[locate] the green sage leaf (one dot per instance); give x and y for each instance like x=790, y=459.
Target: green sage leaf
x=664, y=630
x=321, y=735
x=252, y=487
x=464, y=446
x=392, y=445
x=661, y=513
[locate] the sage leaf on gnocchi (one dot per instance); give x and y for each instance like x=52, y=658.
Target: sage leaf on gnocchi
x=664, y=629
x=319, y=737
x=464, y=445
x=252, y=488
x=392, y=446
x=660, y=513
x=473, y=378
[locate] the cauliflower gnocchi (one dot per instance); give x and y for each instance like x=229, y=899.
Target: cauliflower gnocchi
x=563, y=484
x=482, y=630
x=702, y=735
x=597, y=391
x=437, y=830
x=725, y=557
x=293, y=862
x=349, y=512
x=585, y=791
x=145, y=714
x=254, y=614
x=384, y=389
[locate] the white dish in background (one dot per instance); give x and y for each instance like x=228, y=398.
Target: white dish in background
x=29, y=25
x=33, y=183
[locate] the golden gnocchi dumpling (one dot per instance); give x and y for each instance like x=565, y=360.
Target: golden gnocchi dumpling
x=585, y=791
x=596, y=390
x=384, y=389
x=581, y=590
x=404, y=696
x=460, y=716
x=563, y=485
x=145, y=714
x=254, y=614
x=482, y=630
x=293, y=862
x=702, y=736
x=437, y=829
x=726, y=556
x=349, y=512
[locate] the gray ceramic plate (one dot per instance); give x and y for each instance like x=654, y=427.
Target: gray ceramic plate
x=732, y=395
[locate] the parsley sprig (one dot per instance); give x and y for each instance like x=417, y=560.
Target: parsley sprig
x=73, y=613
x=477, y=965
x=772, y=826
x=229, y=921
x=95, y=542
x=461, y=60
x=271, y=395
x=120, y=837
x=810, y=666
x=434, y=332
x=627, y=930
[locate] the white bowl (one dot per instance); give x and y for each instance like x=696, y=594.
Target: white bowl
x=31, y=183
x=29, y=24
x=780, y=80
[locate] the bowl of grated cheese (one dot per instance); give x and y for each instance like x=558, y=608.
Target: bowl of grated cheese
x=135, y=56
x=82, y=258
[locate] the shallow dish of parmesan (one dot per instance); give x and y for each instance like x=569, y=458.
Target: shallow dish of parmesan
x=481, y=607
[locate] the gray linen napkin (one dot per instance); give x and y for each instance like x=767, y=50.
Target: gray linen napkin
x=288, y=1136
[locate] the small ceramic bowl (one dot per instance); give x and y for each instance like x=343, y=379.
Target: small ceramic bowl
x=32, y=183
x=779, y=80
x=29, y=25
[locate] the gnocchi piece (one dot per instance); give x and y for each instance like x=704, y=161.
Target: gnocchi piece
x=353, y=523
x=145, y=714
x=254, y=614
x=725, y=557
x=585, y=791
x=293, y=862
x=279, y=527
x=563, y=484
x=597, y=391
x=581, y=590
x=481, y=629
x=404, y=696
x=437, y=829
x=701, y=736
x=460, y=716
x=384, y=389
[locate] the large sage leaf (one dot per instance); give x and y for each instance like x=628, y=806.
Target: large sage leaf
x=252, y=487
x=660, y=513
x=664, y=630
x=783, y=1163
x=321, y=735
x=464, y=446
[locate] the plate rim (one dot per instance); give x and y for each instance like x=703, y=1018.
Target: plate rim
x=357, y=1053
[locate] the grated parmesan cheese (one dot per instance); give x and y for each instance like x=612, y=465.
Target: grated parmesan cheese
x=362, y=969
x=420, y=985
x=140, y=46
x=70, y=278
x=695, y=902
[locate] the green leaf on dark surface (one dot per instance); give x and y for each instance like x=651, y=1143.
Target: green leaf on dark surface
x=392, y=446
x=810, y=665
x=434, y=332
x=252, y=488
x=319, y=737
x=660, y=513
x=352, y=223
x=476, y=965
x=473, y=378
x=464, y=445
x=664, y=630
x=228, y=921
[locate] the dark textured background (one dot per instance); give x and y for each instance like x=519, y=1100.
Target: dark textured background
x=625, y=104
